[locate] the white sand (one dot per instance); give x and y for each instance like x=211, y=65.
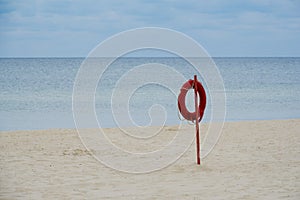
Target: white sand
x=252, y=160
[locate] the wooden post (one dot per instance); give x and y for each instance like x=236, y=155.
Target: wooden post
x=197, y=120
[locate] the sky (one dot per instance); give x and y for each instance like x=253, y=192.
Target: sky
x=72, y=28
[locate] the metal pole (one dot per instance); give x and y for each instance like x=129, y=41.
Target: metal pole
x=197, y=120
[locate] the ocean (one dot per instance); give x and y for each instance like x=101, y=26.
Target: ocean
x=36, y=93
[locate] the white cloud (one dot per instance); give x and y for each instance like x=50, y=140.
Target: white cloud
x=89, y=22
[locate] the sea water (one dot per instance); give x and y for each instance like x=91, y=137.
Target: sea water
x=36, y=93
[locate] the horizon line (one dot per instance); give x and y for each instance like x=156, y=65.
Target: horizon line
x=83, y=57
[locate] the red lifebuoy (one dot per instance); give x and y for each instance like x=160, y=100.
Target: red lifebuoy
x=191, y=116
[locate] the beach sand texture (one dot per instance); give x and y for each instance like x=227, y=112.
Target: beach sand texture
x=252, y=160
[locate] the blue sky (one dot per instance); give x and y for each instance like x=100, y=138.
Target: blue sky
x=33, y=28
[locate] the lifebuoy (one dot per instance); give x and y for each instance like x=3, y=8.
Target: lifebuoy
x=191, y=116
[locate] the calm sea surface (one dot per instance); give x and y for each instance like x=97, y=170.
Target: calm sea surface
x=36, y=93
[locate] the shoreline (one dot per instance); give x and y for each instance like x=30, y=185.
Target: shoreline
x=171, y=125
x=252, y=159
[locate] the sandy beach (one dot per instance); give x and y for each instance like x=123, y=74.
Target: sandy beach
x=252, y=160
